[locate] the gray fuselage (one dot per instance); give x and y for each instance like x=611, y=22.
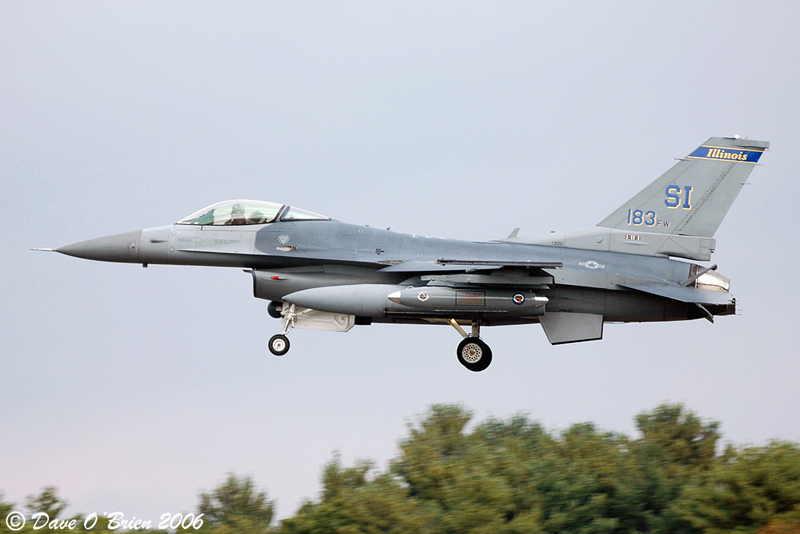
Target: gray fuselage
x=286, y=257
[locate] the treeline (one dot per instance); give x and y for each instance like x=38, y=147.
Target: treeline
x=512, y=476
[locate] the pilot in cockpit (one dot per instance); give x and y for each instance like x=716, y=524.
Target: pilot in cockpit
x=237, y=215
x=255, y=218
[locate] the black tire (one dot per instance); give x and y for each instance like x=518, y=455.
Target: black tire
x=474, y=354
x=279, y=344
x=274, y=309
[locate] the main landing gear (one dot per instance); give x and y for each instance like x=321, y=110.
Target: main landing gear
x=472, y=353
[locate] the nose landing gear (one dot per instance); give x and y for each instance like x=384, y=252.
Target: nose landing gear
x=472, y=353
x=279, y=343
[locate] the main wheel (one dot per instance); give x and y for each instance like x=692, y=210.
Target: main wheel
x=274, y=309
x=279, y=344
x=474, y=354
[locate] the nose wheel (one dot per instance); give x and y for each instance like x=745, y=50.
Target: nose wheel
x=279, y=344
x=472, y=353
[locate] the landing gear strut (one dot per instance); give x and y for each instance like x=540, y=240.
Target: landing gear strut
x=279, y=343
x=472, y=353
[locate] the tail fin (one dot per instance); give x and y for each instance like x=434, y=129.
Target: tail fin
x=693, y=197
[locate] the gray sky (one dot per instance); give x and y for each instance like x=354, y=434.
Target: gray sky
x=132, y=389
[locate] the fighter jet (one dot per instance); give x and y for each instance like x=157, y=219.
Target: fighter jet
x=636, y=265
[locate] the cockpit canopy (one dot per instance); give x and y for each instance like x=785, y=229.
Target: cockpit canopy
x=240, y=212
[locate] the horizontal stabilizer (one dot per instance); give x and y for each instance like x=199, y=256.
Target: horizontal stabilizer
x=684, y=294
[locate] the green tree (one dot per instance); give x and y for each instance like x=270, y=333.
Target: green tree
x=456, y=476
x=580, y=485
x=51, y=504
x=47, y=501
x=432, y=449
x=779, y=526
x=5, y=509
x=236, y=506
x=676, y=447
x=747, y=489
x=512, y=476
x=679, y=437
x=354, y=501
x=522, y=456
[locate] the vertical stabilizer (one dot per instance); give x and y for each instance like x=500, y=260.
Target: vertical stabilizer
x=693, y=197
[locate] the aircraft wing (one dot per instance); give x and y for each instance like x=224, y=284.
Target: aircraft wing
x=445, y=265
x=684, y=294
x=479, y=273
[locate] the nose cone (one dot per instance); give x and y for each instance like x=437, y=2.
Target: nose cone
x=119, y=247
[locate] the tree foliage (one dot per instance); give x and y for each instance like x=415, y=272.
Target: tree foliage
x=236, y=507
x=750, y=488
x=45, y=515
x=512, y=476
x=47, y=502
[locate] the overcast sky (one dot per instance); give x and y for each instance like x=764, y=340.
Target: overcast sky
x=133, y=389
